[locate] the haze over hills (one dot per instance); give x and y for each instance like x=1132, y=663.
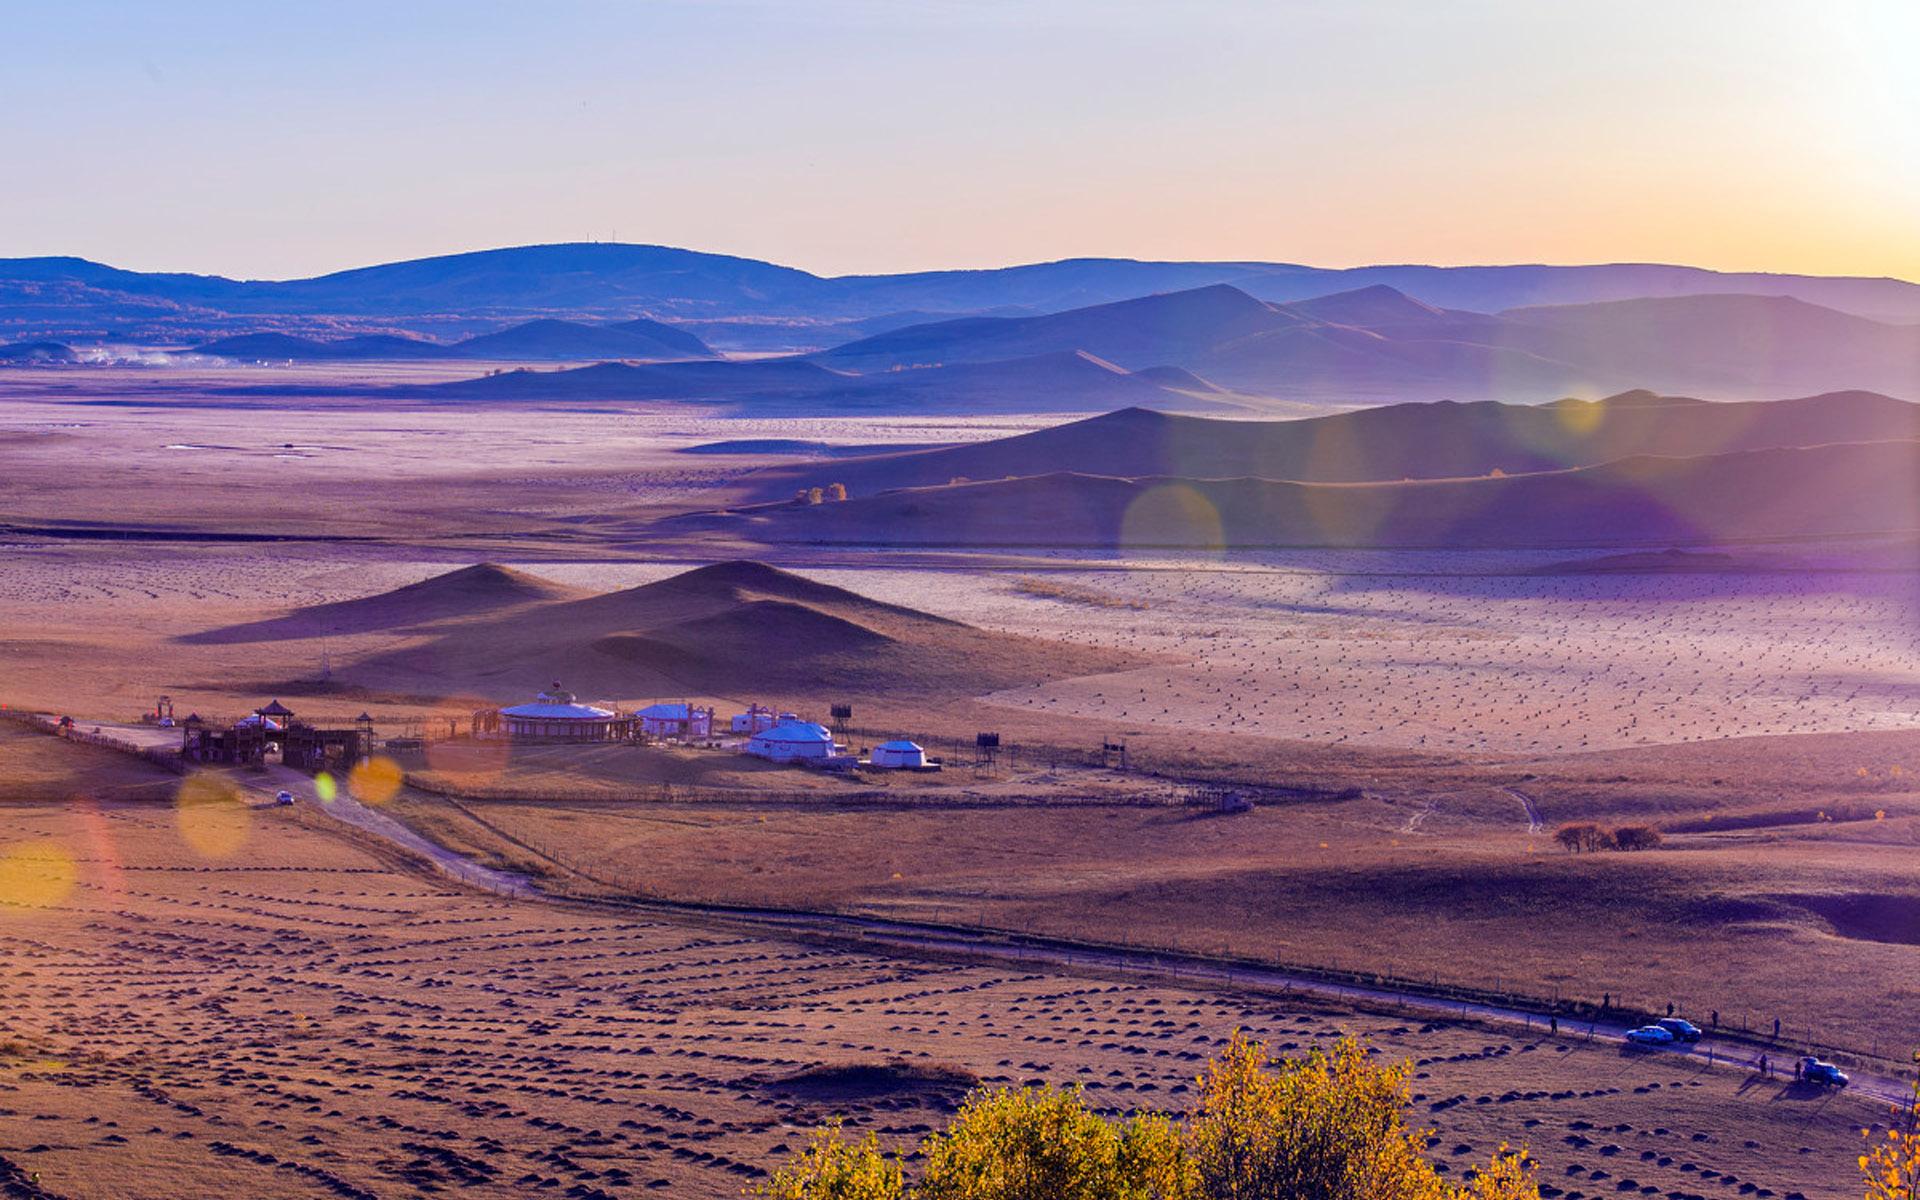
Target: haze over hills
x=545, y=339
x=72, y=298
x=1378, y=344
x=1066, y=381
x=1403, y=441
x=733, y=628
x=1840, y=490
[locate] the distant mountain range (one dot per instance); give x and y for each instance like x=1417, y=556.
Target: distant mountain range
x=1075, y=336
x=68, y=298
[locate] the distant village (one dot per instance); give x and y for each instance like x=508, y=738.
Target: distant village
x=554, y=717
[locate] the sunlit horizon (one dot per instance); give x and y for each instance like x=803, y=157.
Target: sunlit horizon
x=851, y=137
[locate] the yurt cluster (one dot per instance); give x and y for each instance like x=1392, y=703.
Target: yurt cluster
x=558, y=716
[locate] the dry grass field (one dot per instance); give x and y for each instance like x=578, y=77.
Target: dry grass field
x=294, y=1010
x=284, y=1011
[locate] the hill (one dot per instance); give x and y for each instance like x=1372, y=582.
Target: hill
x=37, y=352
x=572, y=341
x=480, y=590
x=1065, y=381
x=713, y=380
x=542, y=340
x=1804, y=492
x=1403, y=441
x=1377, y=343
x=733, y=628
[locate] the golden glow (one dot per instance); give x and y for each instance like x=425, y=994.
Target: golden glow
x=376, y=781
x=35, y=874
x=213, y=815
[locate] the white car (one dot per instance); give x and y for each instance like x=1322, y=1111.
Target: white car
x=1650, y=1035
x=284, y=798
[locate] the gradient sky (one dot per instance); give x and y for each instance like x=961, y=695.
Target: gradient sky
x=274, y=138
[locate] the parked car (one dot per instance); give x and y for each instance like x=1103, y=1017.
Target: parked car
x=1813, y=1070
x=1681, y=1029
x=284, y=798
x=1650, y=1035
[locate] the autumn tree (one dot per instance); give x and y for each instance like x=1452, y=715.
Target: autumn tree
x=1891, y=1165
x=1636, y=837
x=834, y=1168
x=1046, y=1144
x=1330, y=1126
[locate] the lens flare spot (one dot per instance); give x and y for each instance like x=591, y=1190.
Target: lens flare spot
x=36, y=874
x=1172, y=515
x=376, y=781
x=214, y=818
x=325, y=787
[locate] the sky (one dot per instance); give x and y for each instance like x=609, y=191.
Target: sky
x=284, y=138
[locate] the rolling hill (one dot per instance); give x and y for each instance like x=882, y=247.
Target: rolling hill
x=482, y=589
x=1067, y=382
x=1403, y=441
x=542, y=340
x=734, y=628
x=1378, y=344
x=1823, y=491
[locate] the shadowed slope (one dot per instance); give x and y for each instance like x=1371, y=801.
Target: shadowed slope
x=734, y=628
x=479, y=590
x=1820, y=491
x=1405, y=441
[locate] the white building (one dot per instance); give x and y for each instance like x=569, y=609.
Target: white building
x=684, y=721
x=557, y=716
x=794, y=741
x=898, y=755
x=757, y=717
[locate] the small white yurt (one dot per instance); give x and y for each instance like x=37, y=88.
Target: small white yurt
x=898, y=755
x=756, y=718
x=794, y=741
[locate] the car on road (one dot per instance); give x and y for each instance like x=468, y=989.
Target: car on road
x=1651, y=1035
x=284, y=798
x=1825, y=1074
x=1682, y=1030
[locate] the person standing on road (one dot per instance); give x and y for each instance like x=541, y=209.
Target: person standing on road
x=1766, y=1068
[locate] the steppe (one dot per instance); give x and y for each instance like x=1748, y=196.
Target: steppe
x=302, y=1007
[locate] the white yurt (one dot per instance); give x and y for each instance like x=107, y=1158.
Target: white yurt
x=898, y=755
x=557, y=716
x=794, y=741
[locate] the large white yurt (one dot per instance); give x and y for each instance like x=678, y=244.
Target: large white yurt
x=793, y=741
x=898, y=755
x=558, y=716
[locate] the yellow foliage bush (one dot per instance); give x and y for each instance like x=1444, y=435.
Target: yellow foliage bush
x=1331, y=1126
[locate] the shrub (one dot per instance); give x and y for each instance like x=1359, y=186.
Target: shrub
x=1331, y=1126
x=833, y=1168
x=1583, y=835
x=1045, y=1144
x=1891, y=1165
x=1636, y=837
x=836, y=491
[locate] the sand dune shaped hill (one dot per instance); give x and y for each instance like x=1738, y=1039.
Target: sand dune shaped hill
x=479, y=590
x=1404, y=441
x=732, y=626
x=1798, y=492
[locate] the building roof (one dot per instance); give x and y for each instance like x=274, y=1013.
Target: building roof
x=902, y=745
x=667, y=712
x=795, y=731
x=558, y=706
x=275, y=709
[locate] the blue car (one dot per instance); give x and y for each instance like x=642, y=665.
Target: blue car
x=1650, y=1035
